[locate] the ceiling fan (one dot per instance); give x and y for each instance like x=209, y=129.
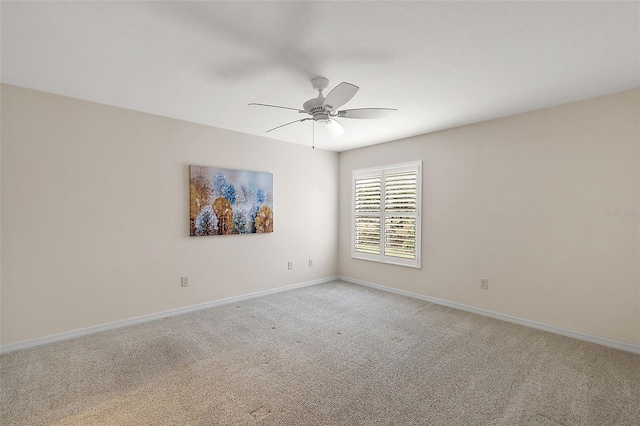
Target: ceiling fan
x=325, y=109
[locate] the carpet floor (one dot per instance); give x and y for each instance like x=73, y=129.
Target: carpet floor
x=329, y=354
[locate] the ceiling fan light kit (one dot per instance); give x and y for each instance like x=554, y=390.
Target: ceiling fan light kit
x=325, y=109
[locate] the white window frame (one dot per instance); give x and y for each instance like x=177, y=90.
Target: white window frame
x=382, y=213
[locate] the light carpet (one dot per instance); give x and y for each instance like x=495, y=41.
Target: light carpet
x=329, y=354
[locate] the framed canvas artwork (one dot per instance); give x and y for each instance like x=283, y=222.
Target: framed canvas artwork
x=226, y=201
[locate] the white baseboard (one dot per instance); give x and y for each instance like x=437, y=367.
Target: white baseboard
x=26, y=344
x=520, y=321
x=145, y=318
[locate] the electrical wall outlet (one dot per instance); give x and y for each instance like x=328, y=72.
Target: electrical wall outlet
x=484, y=283
x=310, y=263
x=290, y=265
x=184, y=282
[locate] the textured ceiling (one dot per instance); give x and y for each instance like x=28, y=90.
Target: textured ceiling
x=441, y=64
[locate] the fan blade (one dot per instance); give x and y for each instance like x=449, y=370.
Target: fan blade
x=366, y=113
x=295, y=121
x=340, y=95
x=278, y=106
x=334, y=128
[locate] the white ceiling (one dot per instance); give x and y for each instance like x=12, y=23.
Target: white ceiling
x=442, y=64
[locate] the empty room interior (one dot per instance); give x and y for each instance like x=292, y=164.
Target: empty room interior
x=320, y=213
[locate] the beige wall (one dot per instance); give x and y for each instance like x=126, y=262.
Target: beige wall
x=95, y=215
x=521, y=200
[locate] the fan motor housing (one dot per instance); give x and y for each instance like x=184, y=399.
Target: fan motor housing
x=315, y=108
x=314, y=104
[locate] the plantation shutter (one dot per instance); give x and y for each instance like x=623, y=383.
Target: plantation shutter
x=367, y=214
x=400, y=214
x=386, y=204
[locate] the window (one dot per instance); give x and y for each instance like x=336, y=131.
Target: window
x=386, y=214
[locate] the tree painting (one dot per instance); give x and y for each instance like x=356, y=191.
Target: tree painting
x=226, y=201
